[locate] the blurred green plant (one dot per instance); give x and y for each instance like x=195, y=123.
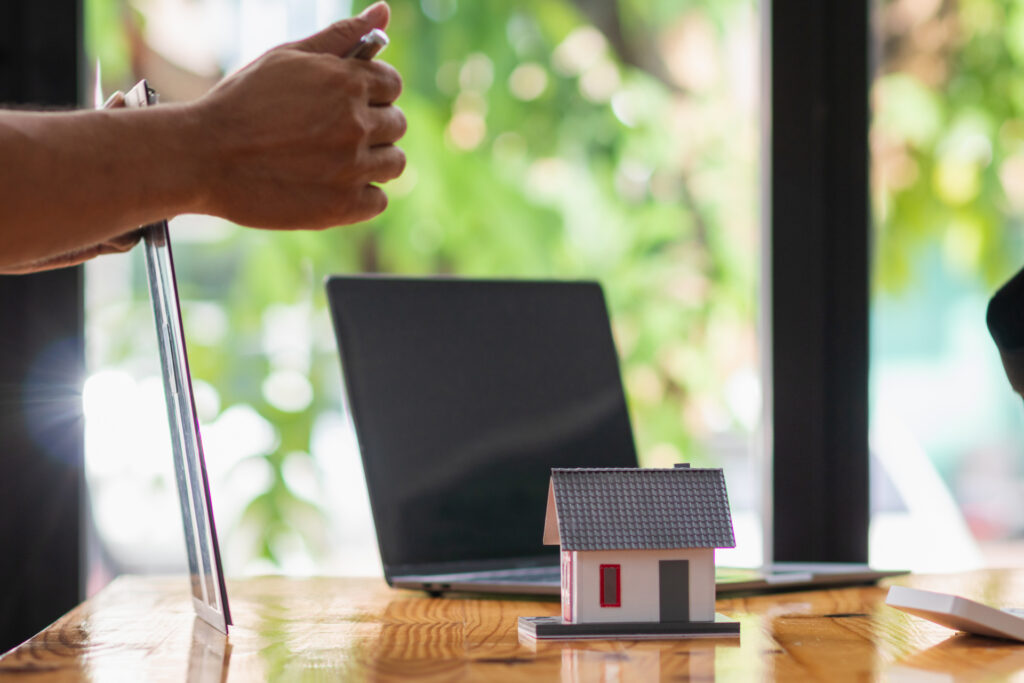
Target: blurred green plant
x=948, y=138
x=105, y=37
x=616, y=141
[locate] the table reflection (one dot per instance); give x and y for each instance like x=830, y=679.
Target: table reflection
x=209, y=655
x=961, y=658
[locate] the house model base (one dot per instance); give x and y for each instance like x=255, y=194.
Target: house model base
x=553, y=628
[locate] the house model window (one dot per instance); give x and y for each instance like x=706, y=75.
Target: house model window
x=610, y=585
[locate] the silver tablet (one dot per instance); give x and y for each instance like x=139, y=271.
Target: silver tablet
x=209, y=594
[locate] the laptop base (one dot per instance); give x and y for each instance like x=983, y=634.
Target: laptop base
x=546, y=580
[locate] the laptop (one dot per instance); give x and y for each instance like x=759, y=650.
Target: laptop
x=464, y=394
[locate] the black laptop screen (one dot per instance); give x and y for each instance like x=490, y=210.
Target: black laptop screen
x=464, y=395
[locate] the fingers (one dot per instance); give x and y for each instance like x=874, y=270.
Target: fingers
x=372, y=201
x=385, y=163
x=340, y=37
x=121, y=243
x=115, y=101
x=388, y=125
x=115, y=245
x=383, y=85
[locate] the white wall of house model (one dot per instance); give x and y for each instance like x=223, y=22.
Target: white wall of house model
x=638, y=585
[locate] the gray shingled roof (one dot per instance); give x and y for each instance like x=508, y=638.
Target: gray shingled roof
x=618, y=508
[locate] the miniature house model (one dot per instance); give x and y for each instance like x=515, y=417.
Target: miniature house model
x=637, y=547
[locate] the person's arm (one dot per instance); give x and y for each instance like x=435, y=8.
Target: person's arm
x=114, y=245
x=292, y=141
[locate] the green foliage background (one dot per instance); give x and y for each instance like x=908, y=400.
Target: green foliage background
x=948, y=138
x=661, y=210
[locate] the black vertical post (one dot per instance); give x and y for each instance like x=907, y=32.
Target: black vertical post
x=819, y=279
x=41, y=359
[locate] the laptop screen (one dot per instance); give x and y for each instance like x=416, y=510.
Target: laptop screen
x=464, y=395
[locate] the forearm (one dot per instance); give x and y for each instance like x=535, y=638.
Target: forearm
x=69, y=181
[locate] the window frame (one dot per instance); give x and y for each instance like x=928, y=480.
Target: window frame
x=815, y=303
x=42, y=488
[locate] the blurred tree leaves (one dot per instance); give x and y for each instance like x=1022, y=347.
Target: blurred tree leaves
x=948, y=140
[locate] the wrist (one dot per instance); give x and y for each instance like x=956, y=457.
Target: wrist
x=193, y=147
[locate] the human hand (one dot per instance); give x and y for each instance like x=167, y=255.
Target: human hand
x=297, y=138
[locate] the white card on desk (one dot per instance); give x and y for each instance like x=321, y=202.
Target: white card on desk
x=958, y=613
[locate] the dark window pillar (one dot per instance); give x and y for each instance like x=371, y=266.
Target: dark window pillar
x=41, y=359
x=817, y=278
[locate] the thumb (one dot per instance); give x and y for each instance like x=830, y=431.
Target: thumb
x=342, y=36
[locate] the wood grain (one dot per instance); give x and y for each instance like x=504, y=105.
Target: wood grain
x=143, y=629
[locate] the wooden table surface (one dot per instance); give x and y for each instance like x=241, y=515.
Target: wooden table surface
x=142, y=629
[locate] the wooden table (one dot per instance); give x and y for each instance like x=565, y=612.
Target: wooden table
x=142, y=629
